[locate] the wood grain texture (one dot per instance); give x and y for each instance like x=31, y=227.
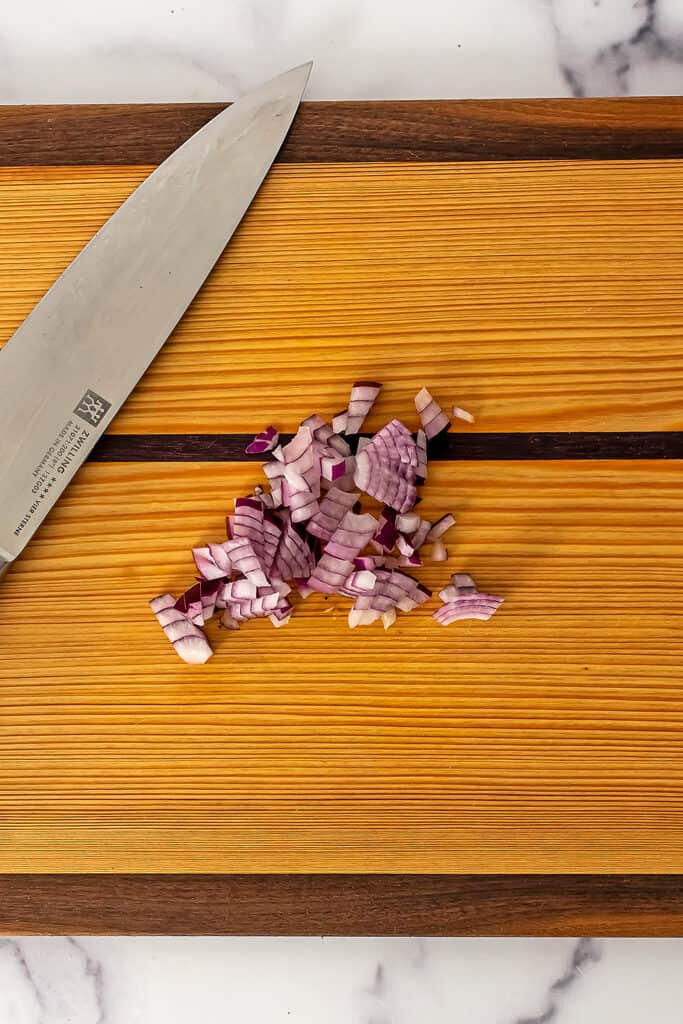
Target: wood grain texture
x=622, y=905
x=547, y=741
x=456, y=445
x=423, y=130
x=543, y=297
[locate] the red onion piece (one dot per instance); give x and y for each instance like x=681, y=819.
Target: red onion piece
x=408, y=522
x=195, y=650
x=239, y=590
x=208, y=566
x=161, y=603
x=393, y=590
x=389, y=618
x=272, y=535
x=245, y=560
x=313, y=480
x=463, y=414
x=421, y=445
x=199, y=601
x=247, y=522
x=339, y=422
x=439, y=552
x=362, y=617
x=228, y=622
x=294, y=558
x=404, y=546
x=432, y=417
x=281, y=616
x=465, y=601
x=263, y=442
x=386, y=468
x=346, y=543
x=420, y=535
x=370, y=562
x=440, y=527
x=363, y=396
x=333, y=508
x=359, y=581
x=188, y=640
x=387, y=533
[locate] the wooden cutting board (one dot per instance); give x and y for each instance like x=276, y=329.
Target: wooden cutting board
x=524, y=260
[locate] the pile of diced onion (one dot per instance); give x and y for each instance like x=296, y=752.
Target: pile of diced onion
x=306, y=531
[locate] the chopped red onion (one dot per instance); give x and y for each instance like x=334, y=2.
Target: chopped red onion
x=239, y=590
x=463, y=414
x=308, y=529
x=432, y=416
x=213, y=562
x=420, y=535
x=370, y=562
x=227, y=621
x=162, y=603
x=334, y=467
x=281, y=616
x=187, y=638
x=363, y=396
x=404, y=546
x=245, y=561
x=333, y=508
x=339, y=422
x=302, y=472
x=392, y=590
x=386, y=468
x=360, y=581
x=263, y=442
x=389, y=618
x=247, y=522
x=408, y=522
x=199, y=602
x=421, y=445
x=440, y=527
x=346, y=543
x=194, y=650
x=439, y=553
x=387, y=534
x=463, y=600
x=294, y=558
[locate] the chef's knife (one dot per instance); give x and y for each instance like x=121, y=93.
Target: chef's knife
x=68, y=369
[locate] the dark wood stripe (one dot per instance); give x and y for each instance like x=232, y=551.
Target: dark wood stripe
x=418, y=130
x=628, y=905
x=460, y=446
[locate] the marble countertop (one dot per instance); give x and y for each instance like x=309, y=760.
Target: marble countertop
x=339, y=981
x=77, y=51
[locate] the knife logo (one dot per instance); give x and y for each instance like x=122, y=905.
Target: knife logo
x=92, y=408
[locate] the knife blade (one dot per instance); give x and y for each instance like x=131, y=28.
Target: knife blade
x=70, y=366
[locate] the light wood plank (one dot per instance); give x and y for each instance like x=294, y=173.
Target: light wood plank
x=549, y=739
x=541, y=295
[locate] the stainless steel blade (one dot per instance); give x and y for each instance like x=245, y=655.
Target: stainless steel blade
x=73, y=362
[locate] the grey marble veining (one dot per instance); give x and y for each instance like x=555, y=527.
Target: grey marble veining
x=79, y=51
x=339, y=981
x=608, y=48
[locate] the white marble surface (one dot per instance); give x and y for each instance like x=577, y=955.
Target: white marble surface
x=339, y=981
x=153, y=50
